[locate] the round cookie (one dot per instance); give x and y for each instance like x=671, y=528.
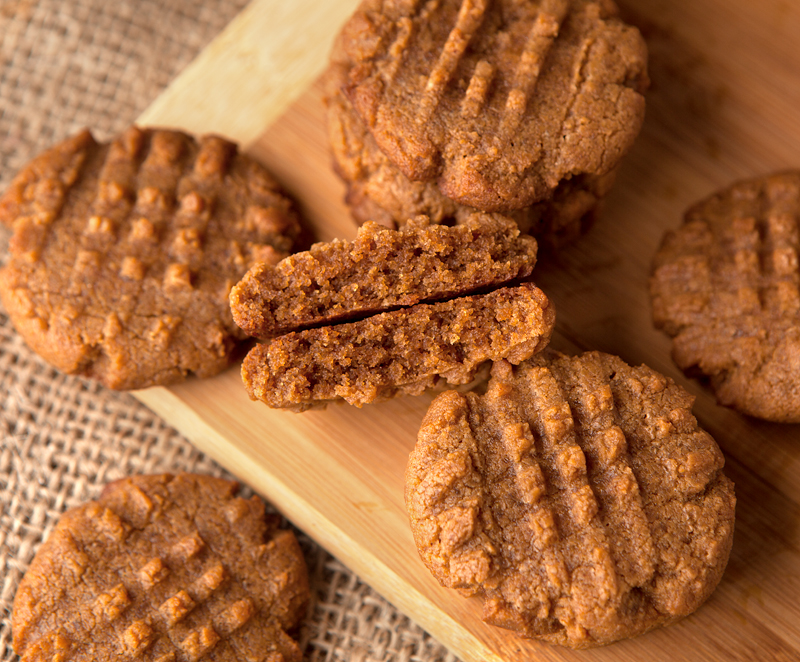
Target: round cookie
x=123, y=254
x=724, y=286
x=495, y=103
x=165, y=568
x=376, y=189
x=578, y=497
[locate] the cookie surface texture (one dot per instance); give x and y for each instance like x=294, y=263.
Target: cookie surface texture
x=376, y=189
x=578, y=497
x=163, y=568
x=123, y=254
x=380, y=270
x=724, y=286
x=496, y=103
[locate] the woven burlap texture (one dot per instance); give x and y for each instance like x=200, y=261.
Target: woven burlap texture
x=65, y=65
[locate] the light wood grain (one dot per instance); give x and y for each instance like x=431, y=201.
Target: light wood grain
x=251, y=72
x=725, y=103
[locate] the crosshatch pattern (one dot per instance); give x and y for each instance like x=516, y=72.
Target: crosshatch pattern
x=63, y=66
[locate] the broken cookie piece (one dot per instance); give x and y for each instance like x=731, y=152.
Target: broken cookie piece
x=392, y=312
x=405, y=351
x=380, y=270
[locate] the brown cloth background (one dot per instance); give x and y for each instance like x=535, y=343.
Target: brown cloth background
x=66, y=64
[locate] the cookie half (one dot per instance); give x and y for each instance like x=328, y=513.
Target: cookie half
x=381, y=270
x=726, y=287
x=578, y=497
x=496, y=103
x=163, y=568
x=402, y=352
x=123, y=254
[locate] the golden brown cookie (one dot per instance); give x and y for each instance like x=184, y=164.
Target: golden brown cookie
x=380, y=270
x=725, y=286
x=402, y=352
x=123, y=254
x=163, y=568
x=578, y=497
x=376, y=189
x=496, y=103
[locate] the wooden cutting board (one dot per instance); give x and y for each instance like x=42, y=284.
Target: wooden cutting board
x=724, y=104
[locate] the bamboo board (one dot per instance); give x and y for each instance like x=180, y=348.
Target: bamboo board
x=724, y=104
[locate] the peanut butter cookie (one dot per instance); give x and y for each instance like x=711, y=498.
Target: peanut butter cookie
x=380, y=270
x=163, y=568
x=726, y=287
x=123, y=254
x=496, y=103
x=578, y=497
x=376, y=189
x=402, y=352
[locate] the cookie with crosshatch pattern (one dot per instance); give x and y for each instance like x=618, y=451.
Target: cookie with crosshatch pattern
x=497, y=103
x=123, y=254
x=577, y=496
x=376, y=189
x=164, y=568
x=725, y=286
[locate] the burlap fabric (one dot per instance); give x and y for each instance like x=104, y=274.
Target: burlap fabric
x=66, y=64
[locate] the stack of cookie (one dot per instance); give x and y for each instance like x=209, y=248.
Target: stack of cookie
x=578, y=496
x=523, y=109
